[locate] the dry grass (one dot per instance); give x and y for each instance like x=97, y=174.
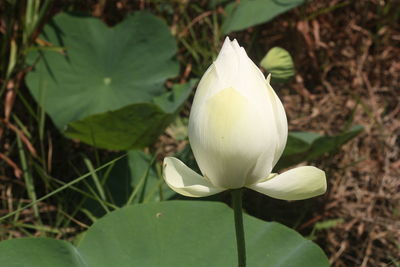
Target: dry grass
x=349, y=71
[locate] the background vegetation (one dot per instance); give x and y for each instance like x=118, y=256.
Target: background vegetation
x=345, y=54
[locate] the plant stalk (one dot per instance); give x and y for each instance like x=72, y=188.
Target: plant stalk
x=240, y=241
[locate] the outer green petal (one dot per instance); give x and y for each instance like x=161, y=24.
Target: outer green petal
x=295, y=184
x=185, y=181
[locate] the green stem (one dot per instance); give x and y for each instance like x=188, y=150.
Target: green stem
x=237, y=207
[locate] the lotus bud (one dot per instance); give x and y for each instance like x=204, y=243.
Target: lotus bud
x=238, y=131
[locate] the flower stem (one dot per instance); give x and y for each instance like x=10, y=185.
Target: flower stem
x=237, y=207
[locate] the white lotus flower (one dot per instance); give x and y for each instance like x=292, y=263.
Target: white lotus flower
x=238, y=131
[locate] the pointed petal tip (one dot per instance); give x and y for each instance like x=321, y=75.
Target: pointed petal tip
x=235, y=43
x=227, y=42
x=227, y=48
x=269, y=78
x=185, y=181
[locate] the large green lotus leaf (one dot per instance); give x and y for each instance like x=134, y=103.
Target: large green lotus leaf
x=133, y=126
x=247, y=13
x=39, y=252
x=191, y=233
x=101, y=68
x=169, y=234
x=303, y=146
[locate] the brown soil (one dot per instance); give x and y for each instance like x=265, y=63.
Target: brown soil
x=348, y=63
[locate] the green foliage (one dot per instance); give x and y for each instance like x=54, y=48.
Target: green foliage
x=173, y=233
x=247, y=13
x=324, y=225
x=133, y=179
x=279, y=63
x=327, y=224
x=215, y=3
x=39, y=252
x=106, y=78
x=303, y=146
x=105, y=87
x=178, y=129
x=133, y=126
x=146, y=178
x=69, y=185
x=20, y=20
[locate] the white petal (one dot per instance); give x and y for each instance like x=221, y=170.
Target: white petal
x=280, y=122
x=295, y=184
x=209, y=85
x=185, y=181
x=227, y=135
x=236, y=129
x=226, y=64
